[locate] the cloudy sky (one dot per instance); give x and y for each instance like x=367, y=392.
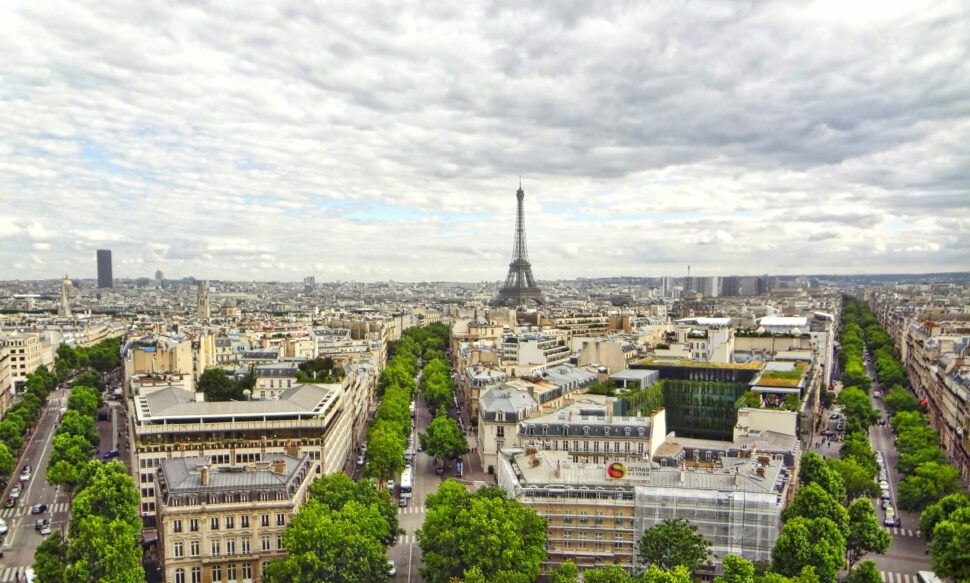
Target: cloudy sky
x=366, y=141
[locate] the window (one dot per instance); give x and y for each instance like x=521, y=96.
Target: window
x=247, y=571
x=214, y=524
x=244, y=521
x=196, y=574
x=215, y=548
x=230, y=522
x=264, y=543
x=194, y=525
x=264, y=520
x=499, y=431
x=279, y=542
x=231, y=546
x=179, y=575
x=178, y=550
x=245, y=546
x=216, y=573
x=280, y=519
x=194, y=548
x=176, y=526
x=231, y=572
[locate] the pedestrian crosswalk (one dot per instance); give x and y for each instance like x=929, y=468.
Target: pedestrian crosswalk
x=10, y=573
x=407, y=539
x=890, y=577
x=896, y=531
x=19, y=511
x=415, y=509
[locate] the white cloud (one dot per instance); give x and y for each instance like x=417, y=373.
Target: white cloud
x=356, y=142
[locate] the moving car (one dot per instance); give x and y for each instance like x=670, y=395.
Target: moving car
x=391, y=569
x=403, y=502
x=3, y=526
x=390, y=485
x=41, y=523
x=38, y=509
x=110, y=454
x=15, y=491
x=360, y=460
x=45, y=531
x=10, y=503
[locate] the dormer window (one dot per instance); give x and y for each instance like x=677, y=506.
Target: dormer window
x=626, y=431
x=545, y=430
x=641, y=432
x=586, y=430
x=606, y=431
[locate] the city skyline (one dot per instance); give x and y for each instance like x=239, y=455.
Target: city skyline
x=355, y=144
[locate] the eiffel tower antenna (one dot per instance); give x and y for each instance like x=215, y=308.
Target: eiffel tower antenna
x=520, y=286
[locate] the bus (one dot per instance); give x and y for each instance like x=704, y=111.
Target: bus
x=407, y=481
x=414, y=411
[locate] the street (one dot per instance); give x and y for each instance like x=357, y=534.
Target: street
x=22, y=538
x=406, y=554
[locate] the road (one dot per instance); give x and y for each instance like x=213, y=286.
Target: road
x=22, y=539
x=907, y=553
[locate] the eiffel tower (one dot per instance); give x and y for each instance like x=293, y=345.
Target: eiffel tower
x=520, y=287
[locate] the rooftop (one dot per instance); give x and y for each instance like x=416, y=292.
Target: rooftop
x=185, y=475
x=172, y=404
x=683, y=362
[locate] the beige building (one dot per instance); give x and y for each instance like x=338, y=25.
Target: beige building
x=225, y=523
x=159, y=353
x=6, y=381
x=26, y=351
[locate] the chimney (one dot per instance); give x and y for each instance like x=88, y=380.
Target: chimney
x=199, y=397
x=279, y=466
x=204, y=474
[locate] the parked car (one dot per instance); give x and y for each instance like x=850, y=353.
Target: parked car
x=110, y=454
x=360, y=460
x=391, y=568
x=38, y=509
x=390, y=485
x=45, y=531
x=828, y=433
x=10, y=503
x=882, y=422
x=3, y=526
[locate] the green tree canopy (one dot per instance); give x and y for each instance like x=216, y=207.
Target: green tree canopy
x=337, y=490
x=950, y=547
x=856, y=446
x=108, y=492
x=858, y=479
x=484, y=529
x=899, y=399
x=75, y=423
x=6, y=460
x=216, y=386
x=385, y=453
x=443, y=439
x=813, y=469
x=930, y=482
x=811, y=501
x=805, y=542
x=84, y=400
x=941, y=510
x=68, y=454
x=866, y=572
x=565, y=573
x=865, y=534
x=337, y=546
x=671, y=543
x=856, y=405
x=50, y=558
x=102, y=551
x=736, y=570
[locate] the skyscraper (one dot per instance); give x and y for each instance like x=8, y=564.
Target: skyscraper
x=105, y=278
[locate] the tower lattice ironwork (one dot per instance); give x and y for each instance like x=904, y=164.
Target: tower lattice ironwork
x=520, y=286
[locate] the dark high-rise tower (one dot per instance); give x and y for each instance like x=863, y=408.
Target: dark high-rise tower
x=105, y=278
x=520, y=287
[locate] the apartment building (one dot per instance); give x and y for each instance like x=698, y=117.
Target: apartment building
x=531, y=353
x=6, y=381
x=170, y=423
x=25, y=352
x=224, y=523
x=271, y=379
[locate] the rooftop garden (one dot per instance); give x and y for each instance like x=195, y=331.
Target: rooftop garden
x=782, y=378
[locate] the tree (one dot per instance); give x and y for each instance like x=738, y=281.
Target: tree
x=217, y=387
x=939, y=511
x=85, y=400
x=856, y=404
x=68, y=454
x=679, y=574
x=484, y=529
x=812, y=501
x=67, y=355
x=91, y=380
x=736, y=570
x=103, y=551
x=6, y=460
x=930, y=482
x=565, y=573
x=443, y=439
x=75, y=423
x=866, y=572
x=809, y=542
x=858, y=480
x=337, y=546
x=673, y=542
x=950, y=547
x=814, y=470
x=336, y=490
x=864, y=534
x=385, y=453
x=899, y=399
x=11, y=434
x=856, y=446
x=50, y=557
x=607, y=574
x=107, y=491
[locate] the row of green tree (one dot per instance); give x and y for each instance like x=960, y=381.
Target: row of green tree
x=852, y=342
x=341, y=534
x=23, y=415
x=930, y=484
x=104, y=534
x=387, y=437
x=76, y=437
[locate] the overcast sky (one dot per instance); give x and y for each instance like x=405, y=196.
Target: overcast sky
x=236, y=140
